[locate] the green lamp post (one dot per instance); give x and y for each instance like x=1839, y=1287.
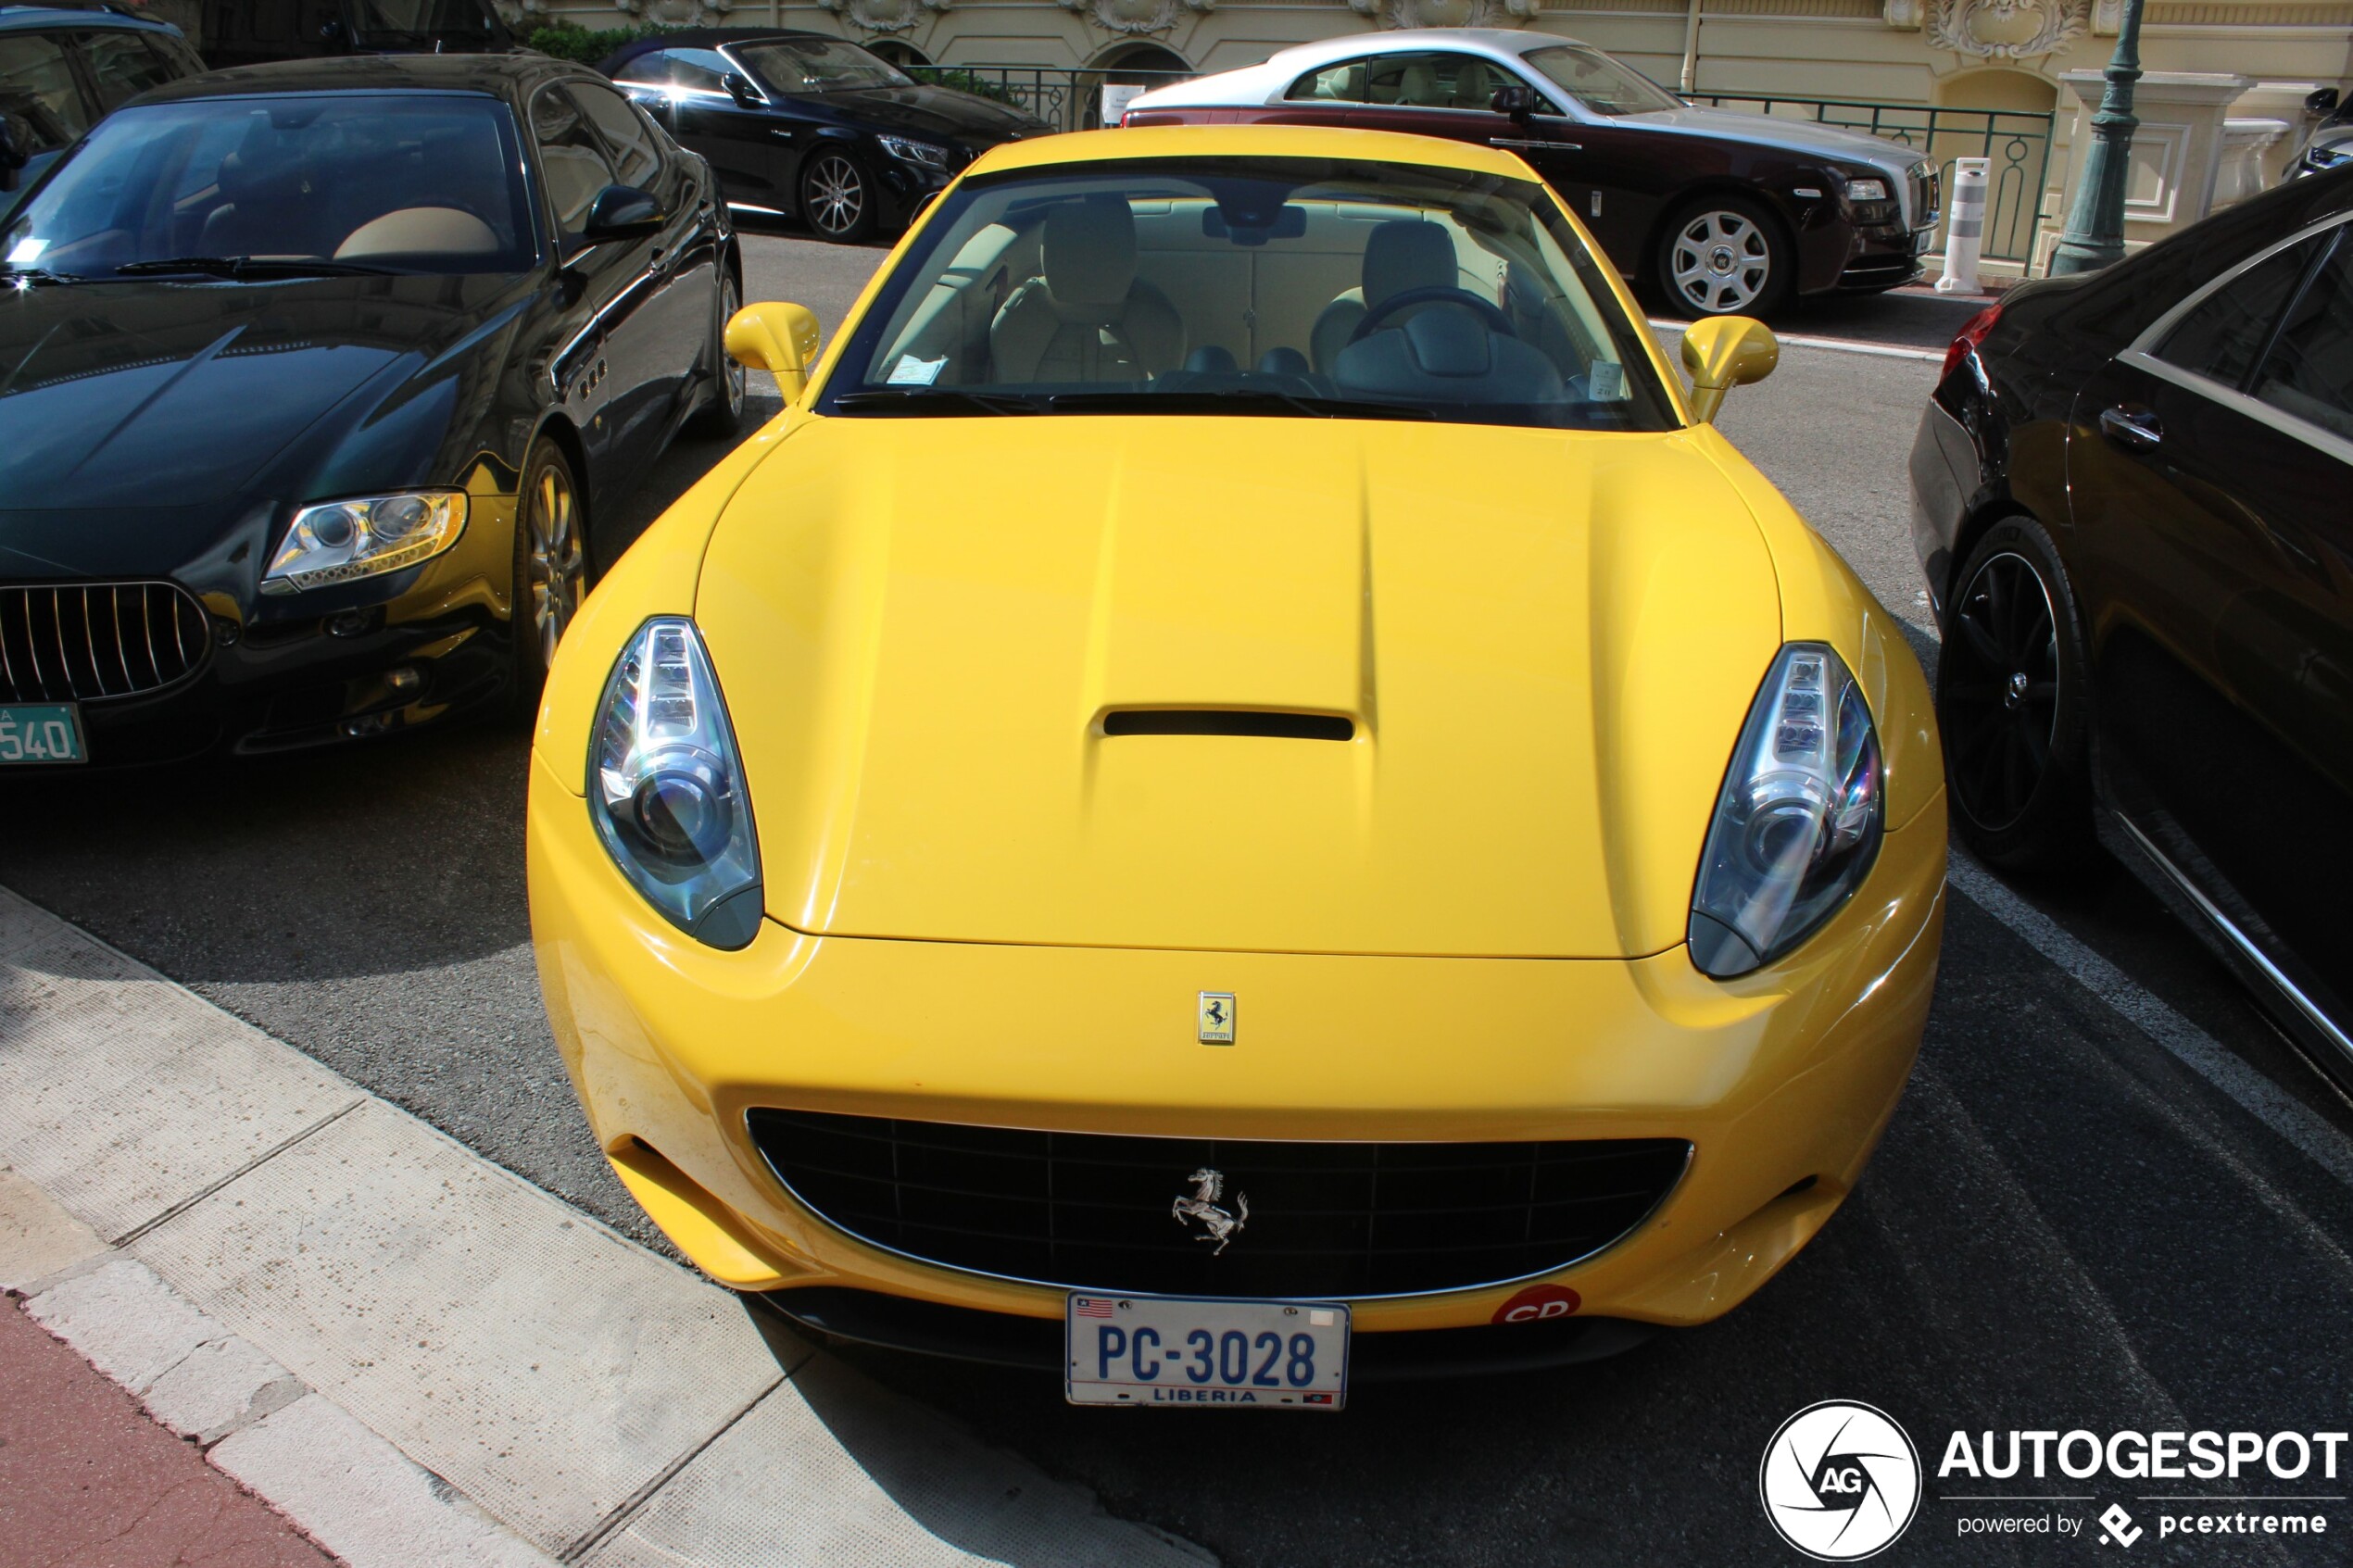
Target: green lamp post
x=2094, y=235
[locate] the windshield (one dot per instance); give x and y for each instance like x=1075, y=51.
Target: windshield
x=817, y=65
x=410, y=20
x=1276, y=286
x=326, y=182
x=1601, y=84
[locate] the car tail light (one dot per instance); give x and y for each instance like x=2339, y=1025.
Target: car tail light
x=1965, y=341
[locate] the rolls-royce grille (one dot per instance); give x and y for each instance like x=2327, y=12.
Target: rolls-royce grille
x=79, y=642
x=1313, y=1219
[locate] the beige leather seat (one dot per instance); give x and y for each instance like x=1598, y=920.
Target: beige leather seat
x=1418, y=86
x=1403, y=254
x=1087, y=317
x=429, y=231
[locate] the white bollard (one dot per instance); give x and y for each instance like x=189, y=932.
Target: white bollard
x=1965, y=240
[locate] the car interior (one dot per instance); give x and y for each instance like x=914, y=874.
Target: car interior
x=410, y=185
x=1351, y=292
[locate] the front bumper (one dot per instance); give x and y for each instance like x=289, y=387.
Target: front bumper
x=368, y=658
x=1783, y=1081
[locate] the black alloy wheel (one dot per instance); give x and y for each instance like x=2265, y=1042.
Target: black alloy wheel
x=2009, y=700
x=836, y=199
x=551, y=566
x=1723, y=254
x=720, y=418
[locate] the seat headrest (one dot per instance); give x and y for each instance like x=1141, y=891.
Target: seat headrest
x=1417, y=85
x=1406, y=253
x=1090, y=253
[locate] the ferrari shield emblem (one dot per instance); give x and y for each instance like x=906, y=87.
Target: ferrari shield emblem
x=1216, y=1018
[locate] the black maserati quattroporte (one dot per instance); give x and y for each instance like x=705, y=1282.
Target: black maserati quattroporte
x=313, y=377
x=2133, y=499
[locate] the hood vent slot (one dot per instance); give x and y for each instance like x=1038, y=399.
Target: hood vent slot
x=1228, y=722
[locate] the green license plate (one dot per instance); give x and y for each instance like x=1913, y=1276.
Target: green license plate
x=40, y=732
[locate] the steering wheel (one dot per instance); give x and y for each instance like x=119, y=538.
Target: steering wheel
x=1486, y=309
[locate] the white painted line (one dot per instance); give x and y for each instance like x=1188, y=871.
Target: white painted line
x=2303, y=1128
x=419, y=1357
x=1801, y=340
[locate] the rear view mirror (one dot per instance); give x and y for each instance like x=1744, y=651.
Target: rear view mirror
x=1724, y=352
x=12, y=157
x=739, y=88
x=1286, y=223
x=779, y=338
x=623, y=212
x=2324, y=101
x=1515, y=101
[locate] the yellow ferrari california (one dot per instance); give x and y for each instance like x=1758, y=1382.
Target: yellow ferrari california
x=1241, y=793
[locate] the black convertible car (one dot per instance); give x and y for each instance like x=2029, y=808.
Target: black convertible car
x=312, y=378
x=2131, y=495
x=811, y=127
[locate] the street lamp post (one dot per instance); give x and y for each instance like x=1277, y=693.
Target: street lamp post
x=2094, y=235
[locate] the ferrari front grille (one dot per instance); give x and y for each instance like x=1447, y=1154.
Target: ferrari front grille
x=1315, y=1220
x=85, y=642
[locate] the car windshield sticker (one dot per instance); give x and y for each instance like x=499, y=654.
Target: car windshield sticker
x=1606, y=381
x=912, y=371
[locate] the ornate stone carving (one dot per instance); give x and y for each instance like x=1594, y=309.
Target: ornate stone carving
x=676, y=13
x=1449, y=13
x=1134, y=16
x=2007, y=29
x=883, y=16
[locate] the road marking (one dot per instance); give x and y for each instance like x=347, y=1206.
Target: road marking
x=1836, y=344
x=2303, y=1128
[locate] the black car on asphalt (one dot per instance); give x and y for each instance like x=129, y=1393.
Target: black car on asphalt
x=313, y=377
x=2130, y=501
x=61, y=72
x=802, y=125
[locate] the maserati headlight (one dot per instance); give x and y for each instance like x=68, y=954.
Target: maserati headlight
x=908, y=151
x=666, y=787
x=1799, y=820
x=337, y=541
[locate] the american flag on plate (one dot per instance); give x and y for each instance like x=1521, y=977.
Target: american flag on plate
x=1091, y=1306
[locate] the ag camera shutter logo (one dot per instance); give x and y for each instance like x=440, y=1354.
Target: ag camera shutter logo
x=1840, y=1481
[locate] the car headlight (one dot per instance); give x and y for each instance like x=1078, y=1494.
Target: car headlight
x=1799, y=821
x=2329, y=155
x=1867, y=190
x=666, y=787
x=923, y=152
x=337, y=541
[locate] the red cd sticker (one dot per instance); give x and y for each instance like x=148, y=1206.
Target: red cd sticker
x=1539, y=1302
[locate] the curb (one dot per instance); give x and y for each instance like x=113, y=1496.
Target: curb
x=418, y=1356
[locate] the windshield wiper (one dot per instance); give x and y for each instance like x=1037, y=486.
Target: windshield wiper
x=251, y=267
x=933, y=400
x=40, y=275
x=1239, y=399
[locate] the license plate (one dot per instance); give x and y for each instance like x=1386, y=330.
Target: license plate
x=40, y=732
x=1190, y=1351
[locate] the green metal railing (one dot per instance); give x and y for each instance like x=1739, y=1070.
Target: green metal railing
x=1064, y=98
x=2016, y=140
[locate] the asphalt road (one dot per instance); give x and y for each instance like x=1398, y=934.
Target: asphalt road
x=2067, y=1227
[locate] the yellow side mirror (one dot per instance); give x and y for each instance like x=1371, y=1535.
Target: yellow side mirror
x=780, y=339
x=1721, y=353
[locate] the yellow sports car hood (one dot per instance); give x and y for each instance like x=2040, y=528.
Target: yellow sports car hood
x=1543, y=644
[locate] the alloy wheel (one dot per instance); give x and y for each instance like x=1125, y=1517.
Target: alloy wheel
x=730, y=369
x=2000, y=685
x=836, y=195
x=1720, y=262
x=557, y=558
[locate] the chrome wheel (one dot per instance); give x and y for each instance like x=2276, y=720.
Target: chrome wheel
x=1720, y=262
x=2000, y=690
x=834, y=196
x=731, y=299
x=556, y=558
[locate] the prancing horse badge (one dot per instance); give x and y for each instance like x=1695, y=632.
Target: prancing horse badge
x=1216, y=1018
